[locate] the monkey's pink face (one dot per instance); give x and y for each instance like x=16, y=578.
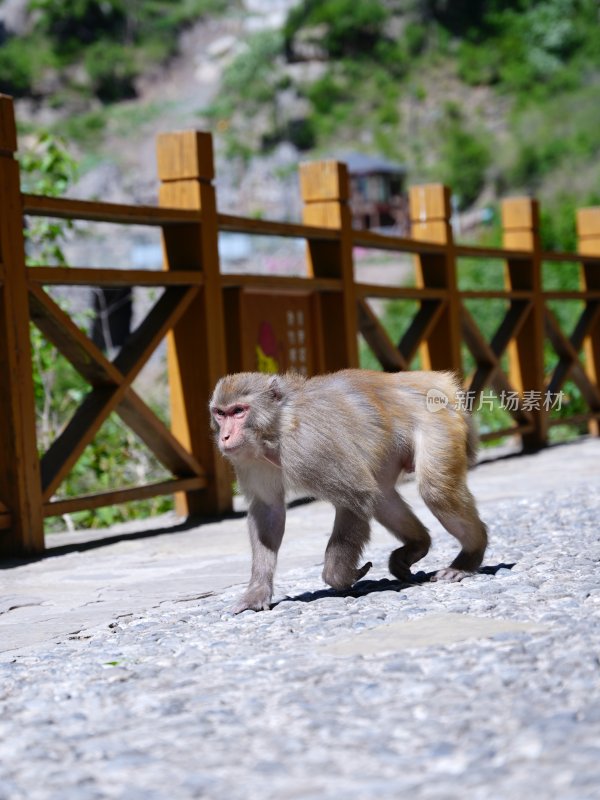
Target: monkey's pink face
x=230, y=422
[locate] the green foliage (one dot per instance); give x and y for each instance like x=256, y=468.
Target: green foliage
x=112, y=70
x=250, y=77
x=548, y=136
x=87, y=129
x=112, y=38
x=47, y=168
x=526, y=46
x=465, y=157
x=73, y=25
x=350, y=28
x=16, y=69
x=327, y=92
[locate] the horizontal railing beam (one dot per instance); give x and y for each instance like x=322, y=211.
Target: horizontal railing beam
x=94, y=211
x=113, y=497
x=228, y=223
x=283, y=282
x=100, y=276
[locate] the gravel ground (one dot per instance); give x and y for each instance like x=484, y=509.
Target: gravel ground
x=485, y=689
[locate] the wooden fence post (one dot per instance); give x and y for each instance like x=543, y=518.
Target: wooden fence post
x=520, y=223
x=588, y=233
x=196, y=346
x=430, y=212
x=20, y=489
x=325, y=191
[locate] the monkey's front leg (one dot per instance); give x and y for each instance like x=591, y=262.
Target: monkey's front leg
x=266, y=524
x=344, y=549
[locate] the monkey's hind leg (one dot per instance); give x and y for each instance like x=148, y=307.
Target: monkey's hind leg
x=458, y=514
x=344, y=549
x=397, y=516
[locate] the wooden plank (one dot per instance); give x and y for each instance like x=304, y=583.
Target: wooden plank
x=196, y=345
x=94, y=366
x=574, y=257
x=5, y=522
x=420, y=328
x=583, y=294
x=365, y=290
x=569, y=364
x=521, y=214
x=381, y=241
x=95, y=211
x=499, y=294
x=94, y=276
x=588, y=245
x=588, y=222
x=325, y=191
x=429, y=201
x=228, y=223
x=58, y=327
x=378, y=340
x=283, y=282
x=324, y=181
x=516, y=430
x=19, y=464
x=575, y=419
x=430, y=213
x=117, y=496
x=476, y=342
x=66, y=449
x=588, y=320
x=185, y=156
x=526, y=350
x=156, y=436
x=471, y=251
x=161, y=318
x=488, y=371
x=510, y=326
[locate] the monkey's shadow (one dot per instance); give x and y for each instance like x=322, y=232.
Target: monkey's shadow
x=365, y=587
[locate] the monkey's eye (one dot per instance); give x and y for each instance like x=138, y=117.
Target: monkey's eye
x=218, y=413
x=239, y=411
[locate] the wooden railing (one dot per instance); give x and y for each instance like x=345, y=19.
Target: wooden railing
x=191, y=314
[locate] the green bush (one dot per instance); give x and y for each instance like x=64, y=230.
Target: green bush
x=74, y=25
x=112, y=71
x=350, y=27
x=326, y=92
x=250, y=79
x=16, y=68
x=465, y=158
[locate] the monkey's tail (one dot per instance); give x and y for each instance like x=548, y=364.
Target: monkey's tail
x=472, y=440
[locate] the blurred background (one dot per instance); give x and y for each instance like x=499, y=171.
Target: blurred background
x=490, y=97
x=493, y=98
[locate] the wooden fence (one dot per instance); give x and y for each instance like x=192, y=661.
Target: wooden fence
x=191, y=313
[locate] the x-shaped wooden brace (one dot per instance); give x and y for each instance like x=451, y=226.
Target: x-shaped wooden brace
x=487, y=356
x=568, y=348
x=398, y=357
x=111, y=385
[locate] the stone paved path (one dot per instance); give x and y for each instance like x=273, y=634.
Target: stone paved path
x=123, y=676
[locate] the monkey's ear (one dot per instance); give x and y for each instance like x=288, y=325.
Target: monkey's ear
x=276, y=388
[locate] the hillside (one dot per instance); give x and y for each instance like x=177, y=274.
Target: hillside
x=501, y=100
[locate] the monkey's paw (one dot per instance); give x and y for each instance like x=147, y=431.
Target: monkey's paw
x=255, y=600
x=451, y=574
x=360, y=573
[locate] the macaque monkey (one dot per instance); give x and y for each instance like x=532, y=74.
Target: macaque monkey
x=345, y=438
